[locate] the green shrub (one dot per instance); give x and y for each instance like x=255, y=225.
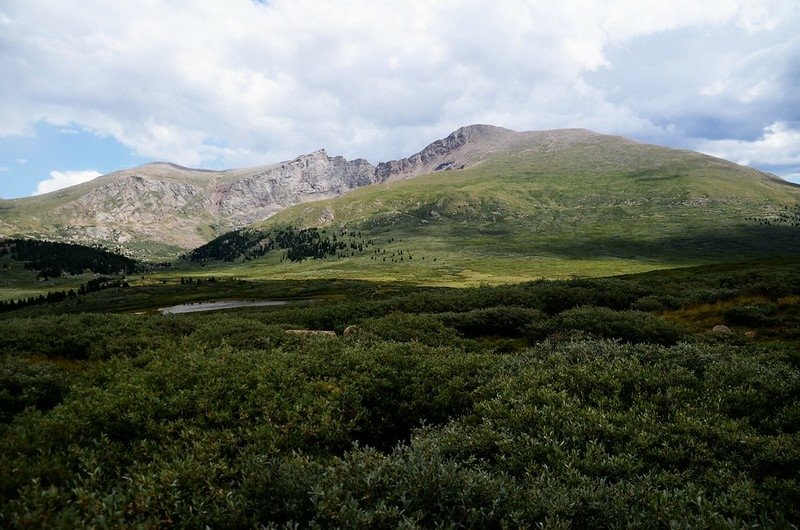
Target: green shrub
x=756, y=314
x=224, y=420
x=239, y=333
x=88, y=335
x=24, y=384
x=506, y=321
x=627, y=326
x=651, y=304
x=405, y=327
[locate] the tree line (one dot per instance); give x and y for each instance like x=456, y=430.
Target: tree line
x=297, y=244
x=53, y=259
x=93, y=285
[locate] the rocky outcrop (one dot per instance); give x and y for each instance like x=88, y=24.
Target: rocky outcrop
x=306, y=178
x=137, y=199
x=135, y=206
x=463, y=148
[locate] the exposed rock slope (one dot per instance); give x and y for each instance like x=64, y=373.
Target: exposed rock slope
x=463, y=148
x=310, y=177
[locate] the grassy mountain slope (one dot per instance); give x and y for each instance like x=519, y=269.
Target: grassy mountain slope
x=551, y=204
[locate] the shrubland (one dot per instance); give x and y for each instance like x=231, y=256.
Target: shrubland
x=582, y=403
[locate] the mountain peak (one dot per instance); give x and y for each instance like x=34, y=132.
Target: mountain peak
x=162, y=169
x=464, y=147
x=171, y=165
x=480, y=130
x=319, y=153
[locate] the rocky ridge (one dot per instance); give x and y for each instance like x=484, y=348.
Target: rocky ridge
x=462, y=148
x=315, y=176
x=163, y=204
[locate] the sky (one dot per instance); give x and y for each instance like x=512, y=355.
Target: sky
x=94, y=86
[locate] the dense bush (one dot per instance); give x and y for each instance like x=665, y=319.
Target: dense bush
x=333, y=432
x=604, y=417
x=24, y=384
x=86, y=336
x=754, y=314
x=404, y=327
x=239, y=333
x=627, y=326
x=507, y=321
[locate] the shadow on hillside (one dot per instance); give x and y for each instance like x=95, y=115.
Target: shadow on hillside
x=747, y=242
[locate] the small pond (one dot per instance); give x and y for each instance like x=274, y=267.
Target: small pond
x=219, y=304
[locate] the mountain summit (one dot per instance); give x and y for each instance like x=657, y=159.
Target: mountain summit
x=160, y=209
x=462, y=148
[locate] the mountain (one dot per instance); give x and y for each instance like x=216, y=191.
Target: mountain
x=550, y=203
x=166, y=208
x=158, y=210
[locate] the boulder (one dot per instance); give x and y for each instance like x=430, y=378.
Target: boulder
x=310, y=332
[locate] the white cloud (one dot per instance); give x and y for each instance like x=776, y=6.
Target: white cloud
x=239, y=82
x=63, y=179
x=778, y=146
x=22, y=160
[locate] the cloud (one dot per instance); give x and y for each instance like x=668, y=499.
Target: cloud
x=778, y=146
x=243, y=82
x=63, y=179
x=22, y=160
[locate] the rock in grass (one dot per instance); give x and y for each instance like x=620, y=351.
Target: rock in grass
x=310, y=332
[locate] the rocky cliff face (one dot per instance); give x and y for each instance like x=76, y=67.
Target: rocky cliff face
x=306, y=178
x=163, y=204
x=136, y=199
x=136, y=207
x=463, y=148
